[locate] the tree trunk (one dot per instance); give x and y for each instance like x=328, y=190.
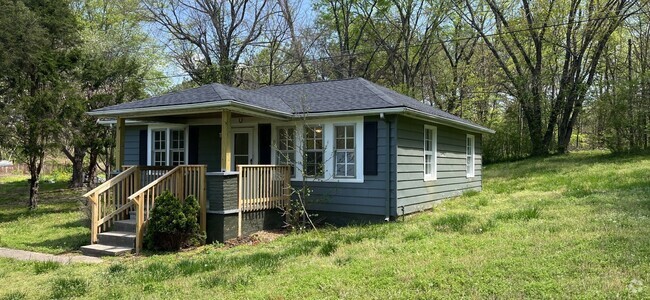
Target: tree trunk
x=35, y=166
x=91, y=172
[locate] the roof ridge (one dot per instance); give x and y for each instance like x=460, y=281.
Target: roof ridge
x=224, y=94
x=310, y=82
x=379, y=93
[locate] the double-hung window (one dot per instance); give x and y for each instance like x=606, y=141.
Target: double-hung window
x=159, y=149
x=168, y=147
x=344, y=151
x=177, y=148
x=469, y=164
x=313, y=149
x=287, y=147
x=430, y=152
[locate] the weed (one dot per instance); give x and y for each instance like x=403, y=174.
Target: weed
x=522, y=214
x=212, y=281
x=328, y=248
x=117, y=269
x=414, y=236
x=158, y=271
x=14, y=296
x=452, y=222
x=41, y=267
x=189, y=267
x=64, y=288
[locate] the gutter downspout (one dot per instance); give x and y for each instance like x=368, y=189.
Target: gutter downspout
x=388, y=174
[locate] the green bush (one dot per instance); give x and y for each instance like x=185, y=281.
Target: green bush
x=173, y=225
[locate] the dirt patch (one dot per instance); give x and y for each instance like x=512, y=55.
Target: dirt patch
x=259, y=237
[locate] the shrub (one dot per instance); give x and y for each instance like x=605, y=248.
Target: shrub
x=173, y=224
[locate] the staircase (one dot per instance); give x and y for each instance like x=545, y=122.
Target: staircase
x=119, y=241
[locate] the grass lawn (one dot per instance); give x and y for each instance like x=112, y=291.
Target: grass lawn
x=56, y=227
x=575, y=226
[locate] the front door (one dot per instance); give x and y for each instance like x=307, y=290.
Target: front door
x=242, y=143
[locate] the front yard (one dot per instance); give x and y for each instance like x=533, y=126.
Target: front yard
x=559, y=227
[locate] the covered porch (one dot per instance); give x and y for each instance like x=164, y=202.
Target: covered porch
x=226, y=166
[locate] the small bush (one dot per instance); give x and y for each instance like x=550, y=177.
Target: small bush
x=173, y=225
x=63, y=288
x=41, y=267
x=455, y=222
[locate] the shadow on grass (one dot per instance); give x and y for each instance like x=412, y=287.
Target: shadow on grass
x=67, y=243
x=22, y=213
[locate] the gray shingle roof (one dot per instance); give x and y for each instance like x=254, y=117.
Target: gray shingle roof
x=315, y=97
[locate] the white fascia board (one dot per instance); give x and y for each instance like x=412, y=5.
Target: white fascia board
x=191, y=108
x=451, y=123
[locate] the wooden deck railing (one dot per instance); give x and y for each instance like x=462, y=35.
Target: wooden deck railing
x=181, y=181
x=262, y=187
x=109, y=201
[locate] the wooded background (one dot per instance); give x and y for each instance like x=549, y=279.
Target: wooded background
x=549, y=76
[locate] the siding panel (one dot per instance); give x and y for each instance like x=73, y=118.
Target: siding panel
x=132, y=145
x=413, y=193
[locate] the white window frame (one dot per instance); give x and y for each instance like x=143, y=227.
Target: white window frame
x=433, y=152
x=353, y=150
x=167, y=129
x=470, y=156
x=328, y=145
x=286, y=152
x=321, y=150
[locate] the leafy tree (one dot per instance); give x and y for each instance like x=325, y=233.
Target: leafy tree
x=37, y=55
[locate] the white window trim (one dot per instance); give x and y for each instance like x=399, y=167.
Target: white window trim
x=276, y=142
x=328, y=145
x=433, y=153
x=356, y=160
x=472, y=167
x=167, y=128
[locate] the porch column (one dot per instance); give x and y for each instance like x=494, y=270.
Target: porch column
x=119, y=144
x=226, y=155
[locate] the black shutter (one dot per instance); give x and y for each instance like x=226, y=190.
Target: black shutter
x=193, y=144
x=370, y=148
x=143, y=148
x=264, y=143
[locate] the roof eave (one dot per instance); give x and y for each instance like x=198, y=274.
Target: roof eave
x=449, y=122
x=204, y=107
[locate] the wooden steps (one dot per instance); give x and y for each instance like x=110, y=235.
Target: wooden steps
x=119, y=241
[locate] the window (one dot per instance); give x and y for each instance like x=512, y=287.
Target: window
x=470, y=156
x=168, y=147
x=287, y=147
x=313, y=164
x=159, y=154
x=177, y=148
x=430, y=152
x=344, y=151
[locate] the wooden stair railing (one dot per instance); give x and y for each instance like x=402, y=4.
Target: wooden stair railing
x=262, y=187
x=109, y=201
x=181, y=181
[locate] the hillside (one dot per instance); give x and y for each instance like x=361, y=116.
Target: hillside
x=560, y=227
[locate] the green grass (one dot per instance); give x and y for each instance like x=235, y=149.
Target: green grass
x=575, y=226
x=56, y=227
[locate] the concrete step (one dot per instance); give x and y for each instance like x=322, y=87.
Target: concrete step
x=132, y=215
x=117, y=238
x=124, y=225
x=99, y=250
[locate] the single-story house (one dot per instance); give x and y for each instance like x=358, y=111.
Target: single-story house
x=367, y=153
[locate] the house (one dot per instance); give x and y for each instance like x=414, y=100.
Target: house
x=368, y=153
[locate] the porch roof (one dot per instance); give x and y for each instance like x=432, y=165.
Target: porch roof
x=323, y=98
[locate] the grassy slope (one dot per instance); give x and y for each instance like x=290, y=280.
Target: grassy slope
x=559, y=227
x=55, y=227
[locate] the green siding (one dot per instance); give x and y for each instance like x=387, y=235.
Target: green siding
x=210, y=147
x=415, y=194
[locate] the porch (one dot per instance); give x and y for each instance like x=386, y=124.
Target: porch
x=120, y=208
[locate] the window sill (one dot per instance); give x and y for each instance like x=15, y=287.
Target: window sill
x=430, y=178
x=331, y=180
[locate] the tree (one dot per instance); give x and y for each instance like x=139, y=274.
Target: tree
x=37, y=55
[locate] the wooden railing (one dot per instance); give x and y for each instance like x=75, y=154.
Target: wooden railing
x=181, y=181
x=109, y=201
x=262, y=187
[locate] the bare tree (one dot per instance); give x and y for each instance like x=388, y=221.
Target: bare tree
x=210, y=37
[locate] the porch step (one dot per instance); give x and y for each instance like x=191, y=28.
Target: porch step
x=117, y=238
x=105, y=250
x=124, y=225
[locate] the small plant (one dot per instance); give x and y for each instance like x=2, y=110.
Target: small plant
x=158, y=271
x=328, y=248
x=41, y=267
x=455, y=222
x=522, y=214
x=117, y=269
x=69, y=288
x=173, y=224
x=213, y=281
x=14, y=296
